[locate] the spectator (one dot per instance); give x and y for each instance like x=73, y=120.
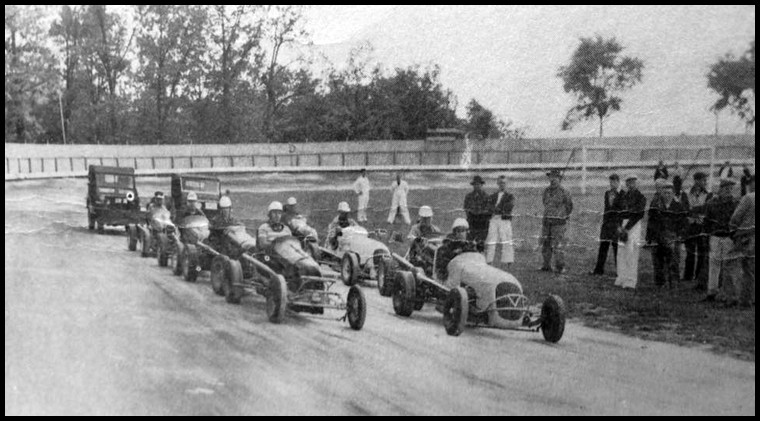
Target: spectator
x=477, y=205
x=695, y=240
x=634, y=206
x=667, y=218
x=661, y=171
x=746, y=175
x=680, y=196
x=399, y=190
x=718, y=212
x=500, y=226
x=743, y=224
x=361, y=187
x=557, y=208
x=725, y=171
x=613, y=208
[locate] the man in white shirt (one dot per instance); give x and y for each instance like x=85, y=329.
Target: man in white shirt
x=361, y=187
x=399, y=190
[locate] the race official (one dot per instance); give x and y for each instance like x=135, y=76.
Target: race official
x=361, y=188
x=558, y=205
x=274, y=228
x=399, y=190
x=629, y=237
x=477, y=205
x=500, y=225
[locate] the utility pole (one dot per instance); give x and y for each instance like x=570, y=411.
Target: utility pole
x=63, y=126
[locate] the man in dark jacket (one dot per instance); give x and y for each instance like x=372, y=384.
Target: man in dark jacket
x=667, y=218
x=695, y=240
x=613, y=207
x=557, y=208
x=634, y=204
x=718, y=212
x=477, y=204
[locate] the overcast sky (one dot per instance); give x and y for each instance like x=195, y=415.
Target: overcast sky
x=507, y=57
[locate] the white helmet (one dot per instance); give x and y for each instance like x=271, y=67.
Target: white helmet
x=460, y=222
x=192, y=196
x=225, y=202
x=343, y=207
x=426, y=212
x=292, y=201
x=274, y=206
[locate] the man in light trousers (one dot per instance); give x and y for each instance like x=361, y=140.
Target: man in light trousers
x=361, y=188
x=718, y=212
x=629, y=237
x=399, y=190
x=500, y=226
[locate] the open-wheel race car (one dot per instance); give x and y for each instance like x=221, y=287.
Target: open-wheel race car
x=287, y=276
x=154, y=236
x=112, y=197
x=472, y=293
x=355, y=255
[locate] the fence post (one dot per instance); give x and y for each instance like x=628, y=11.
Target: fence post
x=232, y=161
x=191, y=162
x=583, y=169
x=7, y=165
x=55, y=161
x=30, y=165
x=42, y=165
x=712, y=168
x=366, y=159
x=71, y=162
x=117, y=161
x=135, y=162
x=319, y=159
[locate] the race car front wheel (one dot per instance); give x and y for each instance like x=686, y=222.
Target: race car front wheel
x=219, y=274
x=189, y=258
x=383, y=274
x=233, y=277
x=349, y=268
x=277, y=299
x=163, y=250
x=356, y=308
x=553, y=315
x=455, y=311
x=404, y=294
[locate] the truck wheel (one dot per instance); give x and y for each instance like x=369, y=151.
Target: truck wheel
x=455, y=311
x=146, y=240
x=189, y=259
x=233, y=291
x=131, y=237
x=349, y=268
x=101, y=227
x=163, y=250
x=553, y=315
x=177, y=258
x=384, y=272
x=90, y=221
x=277, y=299
x=418, y=305
x=404, y=294
x=356, y=308
x=219, y=274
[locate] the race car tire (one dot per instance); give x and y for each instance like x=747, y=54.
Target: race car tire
x=356, y=308
x=131, y=238
x=455, y=311
x=349, y=268
x=233, y=291
x=90, y=221
x=277, y=299
x=162, y=253
x=145, y=246
x=404, y=294
x=384, y=272
x=553, y=314
x=219, y=274
x=177, y=259
x=189, y=258
x=418, y=305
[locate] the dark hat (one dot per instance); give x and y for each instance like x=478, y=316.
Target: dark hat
x=554, y=173
x=614, y=176
x=477, y=180
x=159, y=194
x=699, y=175
x=727, y=182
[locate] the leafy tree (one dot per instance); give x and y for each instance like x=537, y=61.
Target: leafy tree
x=482, y=122
x=733, y=79
x=596, y=75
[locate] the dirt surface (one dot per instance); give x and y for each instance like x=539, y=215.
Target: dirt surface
x=91, y=328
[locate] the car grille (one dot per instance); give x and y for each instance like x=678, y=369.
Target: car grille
x=503, y=289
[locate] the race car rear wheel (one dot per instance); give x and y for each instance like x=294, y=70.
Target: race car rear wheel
x=455, y=311
x=349, y=268
x=277, y=299
x=383, y=272
x=233, y=277
x=189, y=258
x=553, y=315
x=176, y=258
x=404, y=294
x=356, y=308
x=219, y=274
x=163, y=250
x=146, y=240
x=90, y=221
x=131, y=238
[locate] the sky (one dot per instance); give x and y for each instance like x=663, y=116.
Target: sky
x=507, y=57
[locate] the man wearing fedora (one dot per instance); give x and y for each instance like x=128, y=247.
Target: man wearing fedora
x=477, y=205
x=557, y=208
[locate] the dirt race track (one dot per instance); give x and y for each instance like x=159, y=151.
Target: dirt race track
x=91, y=328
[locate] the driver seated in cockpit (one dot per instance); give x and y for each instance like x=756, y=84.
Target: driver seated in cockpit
x=341, y=221
x=454, y=244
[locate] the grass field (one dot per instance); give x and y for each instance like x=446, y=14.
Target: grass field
x=650, y=313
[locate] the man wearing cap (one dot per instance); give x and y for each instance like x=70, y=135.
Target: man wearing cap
x=557, y=208
x=500, y=225
x=477, y=204
x=667, y=220
x=339, y=222
x=656, y=198
x=629, y=235
x=455, y=243
x=718, y=212
x=156, y=202
x=273, y=228
x=743, y=224
x=661, y=172
x=696, y=241
x=613, y=208
x=191, y=206
x=361, y=188
x=289, y=210
x=399, y=190
x=421, y=231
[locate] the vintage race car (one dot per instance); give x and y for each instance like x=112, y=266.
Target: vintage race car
x=154, y=236
x=208, y=189
x=289, y=278
x=473, y=293
x=356, y=254
x=112, y=197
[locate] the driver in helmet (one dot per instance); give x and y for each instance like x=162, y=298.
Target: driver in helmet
x=341, y=221
x=454, y=244
x=297, y=222
x=224, y=218
x=273, y=228
x=191, y=207
x=420, y=232
x=156, y=202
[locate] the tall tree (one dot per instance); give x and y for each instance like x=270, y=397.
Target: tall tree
x=733, y=79
x=597, y=75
